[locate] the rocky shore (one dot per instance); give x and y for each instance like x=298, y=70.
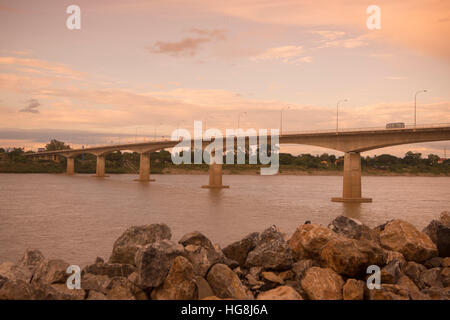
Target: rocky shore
x=315, y=263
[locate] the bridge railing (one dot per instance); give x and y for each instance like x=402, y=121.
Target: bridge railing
x=407, y=127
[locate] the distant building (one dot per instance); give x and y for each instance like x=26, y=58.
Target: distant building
x=41, y=150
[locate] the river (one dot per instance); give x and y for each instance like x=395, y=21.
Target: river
x=78, y=218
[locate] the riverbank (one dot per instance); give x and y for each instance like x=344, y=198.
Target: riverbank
x=203, y=170
x=314, y=263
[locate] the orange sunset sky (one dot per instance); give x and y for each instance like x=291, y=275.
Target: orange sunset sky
x=140, y=67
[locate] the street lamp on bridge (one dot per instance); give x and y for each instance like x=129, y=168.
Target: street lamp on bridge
x=337, y=113
x=239, y=118
x=415, y=106
x=281, y=119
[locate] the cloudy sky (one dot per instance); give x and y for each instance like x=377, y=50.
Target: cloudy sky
x=136, y=68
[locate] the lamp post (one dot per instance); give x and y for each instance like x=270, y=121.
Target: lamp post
x=154, y=134
x=281, y=119
x=337, y=113
x=239, y=118
x=415, y=107
x=178, y=129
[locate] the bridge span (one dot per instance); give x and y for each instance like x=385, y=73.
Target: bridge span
x=350, y=141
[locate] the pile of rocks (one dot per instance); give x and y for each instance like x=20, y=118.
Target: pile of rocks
x=315, y=263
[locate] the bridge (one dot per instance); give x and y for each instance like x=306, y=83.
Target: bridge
x=350, y=141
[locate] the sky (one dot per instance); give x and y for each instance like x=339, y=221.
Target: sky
x=137, y=70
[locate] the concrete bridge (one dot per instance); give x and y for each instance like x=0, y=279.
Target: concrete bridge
x=351, y=141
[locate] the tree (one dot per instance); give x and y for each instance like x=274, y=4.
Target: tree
x=433, y=159
x=2, y=150
x=56, y=145
x=412, y=158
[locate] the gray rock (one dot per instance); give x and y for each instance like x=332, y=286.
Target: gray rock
x=154, y=260
x=203, y=288
x=299, y=268
x=180, y=283
x=432, y=278
x=16, y=290
x=239, y=250
x=413, y=270
x=31, y=259
x=391, y=273
x=120, y=288
x=226, y=284
x=51, y=271
x=126, y=246
x=196, y=238
x=94, y=282
x=352, y=228
x=272, y=252
x=351, y=257
x=200, y=251
x=439, y=233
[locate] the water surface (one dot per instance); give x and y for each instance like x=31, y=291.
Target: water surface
x=78, y=218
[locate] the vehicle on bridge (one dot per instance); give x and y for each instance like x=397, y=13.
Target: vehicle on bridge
x=395, y=125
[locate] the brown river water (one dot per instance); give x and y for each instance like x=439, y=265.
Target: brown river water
x=78, y=218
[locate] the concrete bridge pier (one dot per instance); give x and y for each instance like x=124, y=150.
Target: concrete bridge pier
x=144, y=168
x=351, y=191
x=70, y=170
x=100, y=169
x=215, y=177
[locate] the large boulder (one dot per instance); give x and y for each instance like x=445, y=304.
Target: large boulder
x=200, y=251
x=93, y=282
x=154, y=260
x=353, y=290
x=16, y=290
x=239, y=250
x=180, y=283
x=439, y=233
x=322, y=284
x=392, y=272
x=203, y=288
x=280, y=293
x=51, y=271
x=352, y=257
x=11, y=271
x=31, y=259
x=413, y=270
x=401, y=236
x=352, y=228
x=309, y=239
x=272, y=251
x=226, y=284
x=299, y=268
x=431, y=278
x=126, y=246
x=120, y=288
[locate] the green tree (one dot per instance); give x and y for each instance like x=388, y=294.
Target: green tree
x=56, y=145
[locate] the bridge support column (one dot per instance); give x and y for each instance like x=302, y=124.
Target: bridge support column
x=100, y=170
x=144, y=168
x=215, y=177
x=70, y=170
x=351, y=191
